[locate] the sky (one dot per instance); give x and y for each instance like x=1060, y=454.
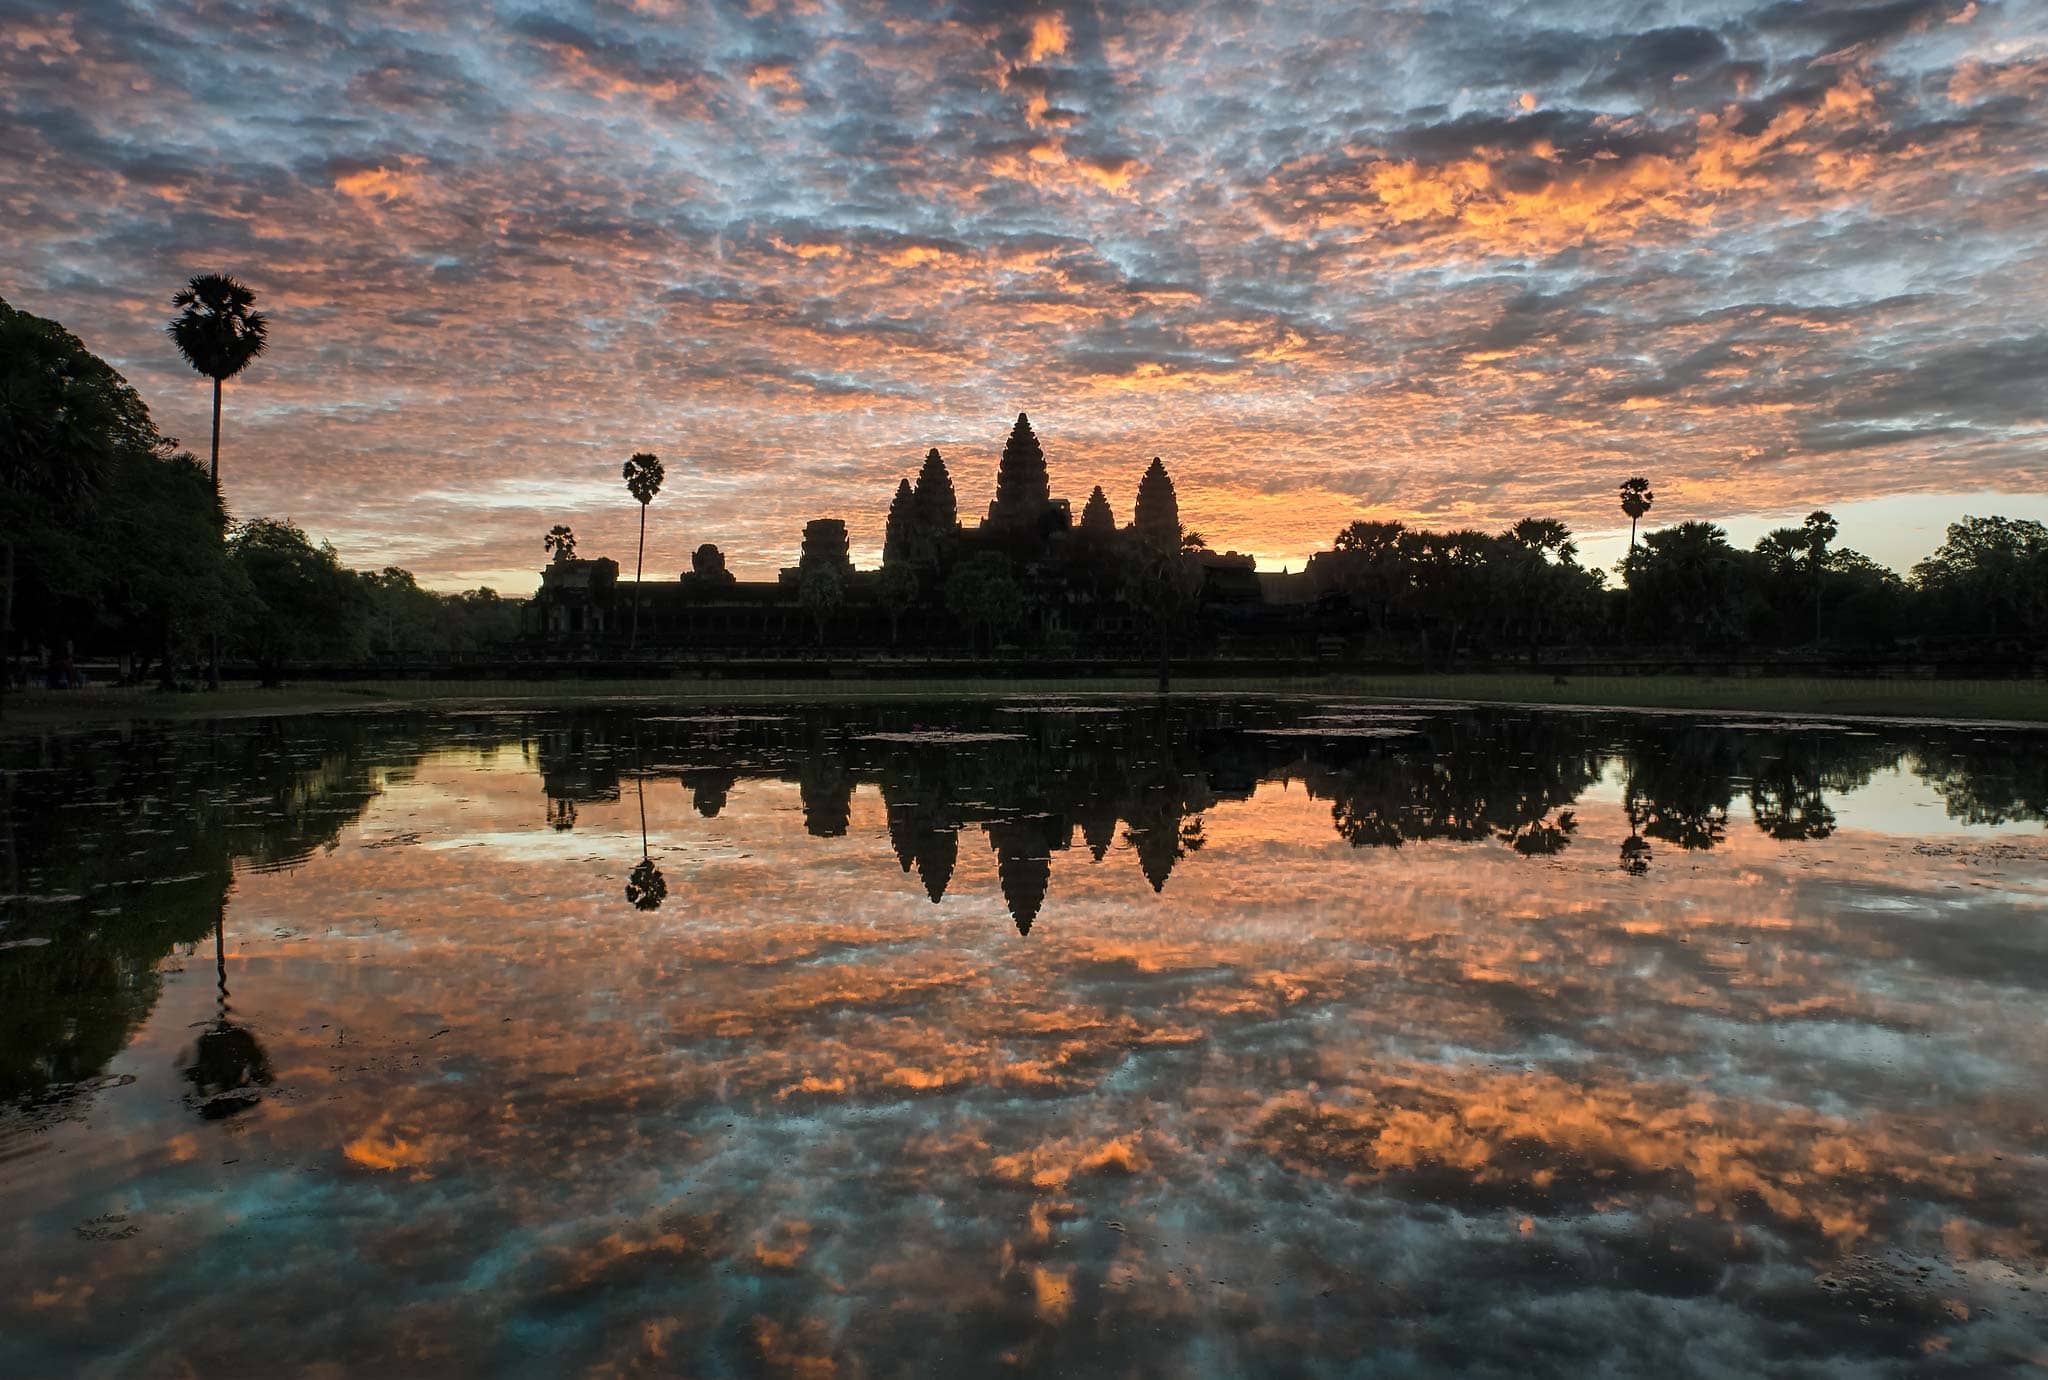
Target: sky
x=1448, y=261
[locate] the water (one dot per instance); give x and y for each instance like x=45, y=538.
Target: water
x=1061, y=1037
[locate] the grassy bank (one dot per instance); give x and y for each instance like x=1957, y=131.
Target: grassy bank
x=2026, y=701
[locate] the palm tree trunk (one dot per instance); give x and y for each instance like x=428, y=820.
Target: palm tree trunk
x=639, y=562
x=1627, y=601
x=213, y=636
x=1165, y=659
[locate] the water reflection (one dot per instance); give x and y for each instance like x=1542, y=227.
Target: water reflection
x=227, y=1067
x=1245, y=1036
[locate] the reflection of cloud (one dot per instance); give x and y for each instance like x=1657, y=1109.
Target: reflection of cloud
x=538, y=239
x=1309, y=1096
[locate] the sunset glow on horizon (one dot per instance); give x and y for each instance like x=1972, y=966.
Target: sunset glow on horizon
x=1450, y=262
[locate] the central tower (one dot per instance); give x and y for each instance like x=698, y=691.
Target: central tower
x=1022, y=492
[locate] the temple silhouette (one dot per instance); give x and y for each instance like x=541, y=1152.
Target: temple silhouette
x=1067, y=576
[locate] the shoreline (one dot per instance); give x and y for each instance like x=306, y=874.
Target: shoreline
x=1993, y=703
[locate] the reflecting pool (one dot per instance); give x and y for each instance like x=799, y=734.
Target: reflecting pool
x=1212, y=1037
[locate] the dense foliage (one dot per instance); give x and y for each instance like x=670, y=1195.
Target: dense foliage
x=114, y=543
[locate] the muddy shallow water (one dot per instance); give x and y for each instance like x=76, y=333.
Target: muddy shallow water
x=1068, y=1037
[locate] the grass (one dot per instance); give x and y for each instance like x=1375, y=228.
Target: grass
x=1995, y=700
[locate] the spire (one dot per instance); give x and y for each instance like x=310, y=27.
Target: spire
x=937, y=511
x=1022, y=492
x=897, y=538
x=1157, y=517
x=937, y=850
x=1096, y=519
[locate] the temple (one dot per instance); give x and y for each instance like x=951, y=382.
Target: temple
x=1024, y=576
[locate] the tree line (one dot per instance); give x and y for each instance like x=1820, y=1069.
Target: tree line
x=116, y=539
x=1684, y=585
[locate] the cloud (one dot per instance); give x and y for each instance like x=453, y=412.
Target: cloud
x=1436, y=261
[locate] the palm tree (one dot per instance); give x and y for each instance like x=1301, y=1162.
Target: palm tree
x=643, y=475
x=560, y=541
x=218, y=334
x=1636, y=499
x=1819, y=529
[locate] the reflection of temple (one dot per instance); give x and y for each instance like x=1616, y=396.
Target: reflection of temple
x=148, y=829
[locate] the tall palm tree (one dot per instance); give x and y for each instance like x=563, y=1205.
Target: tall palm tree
x=643, y=475
x=218, y=334
x=1636, y=499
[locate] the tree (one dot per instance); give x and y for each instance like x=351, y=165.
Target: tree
x=643, y=475
x=982, y=593
x=1369, y=566
x=1452, y=583
x=897, y=587
x=65, y=418
x=160, y=579
x=1690, y=581
x=1636, y=500
x=561, y=542
x=219, y=335
x=821, y=590
x=305, y=604
x=1819, y=529
x=1540, y=585
x=1990, y=576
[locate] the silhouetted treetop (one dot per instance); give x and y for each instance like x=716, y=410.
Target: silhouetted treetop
x=1636, y=498
x=64, y=412
x=1370, y=538
x=215, y=330
x=561, y=541
x=643, y=475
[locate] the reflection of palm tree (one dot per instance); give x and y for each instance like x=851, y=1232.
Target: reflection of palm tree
x=227, y=1065
x=646, y=888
